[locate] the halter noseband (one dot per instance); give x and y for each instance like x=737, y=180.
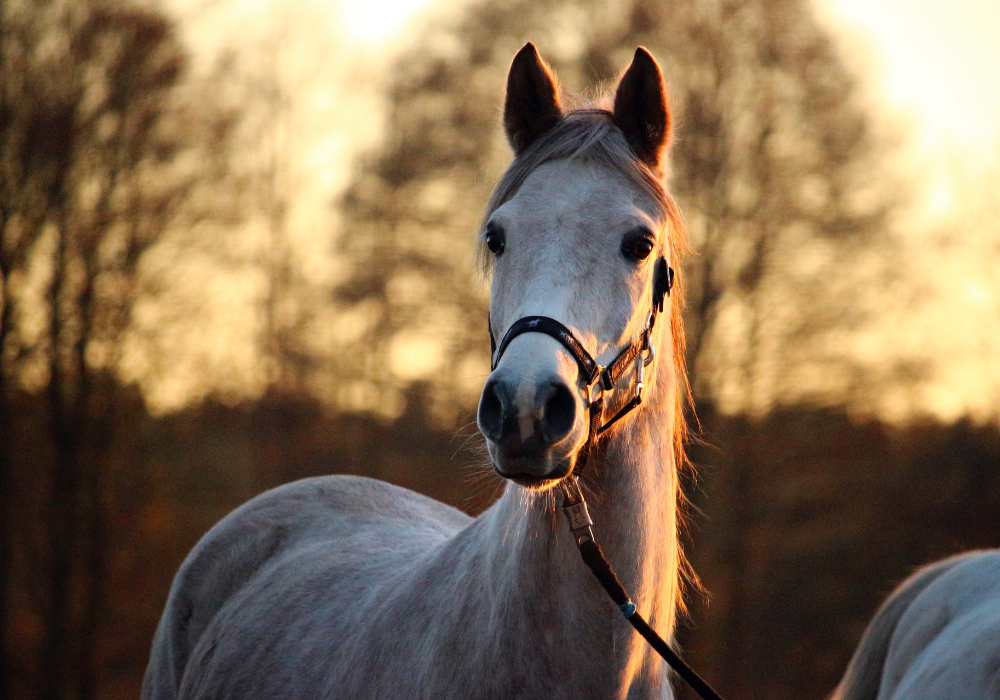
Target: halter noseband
x=594, y=375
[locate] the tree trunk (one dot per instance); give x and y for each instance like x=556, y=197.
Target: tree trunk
x=63, y=497
x=6, y=548
x=6, y=483
x=88, y=462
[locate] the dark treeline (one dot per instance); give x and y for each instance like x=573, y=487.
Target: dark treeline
x=165, y=482
x=102, y=150
x=804, y=521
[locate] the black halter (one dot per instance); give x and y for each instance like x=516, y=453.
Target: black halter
x=574, y=505
x=594, y=375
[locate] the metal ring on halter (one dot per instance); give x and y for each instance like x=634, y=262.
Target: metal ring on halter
x=648, y=337
x=652, y=353
x=640, y=377
x=595, y=390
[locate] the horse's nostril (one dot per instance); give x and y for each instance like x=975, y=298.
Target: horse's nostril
x=490, y=416
x=560, y=413
x=550, y=414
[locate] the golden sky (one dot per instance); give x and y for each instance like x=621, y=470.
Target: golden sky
x=937, y=60
x=930, y=68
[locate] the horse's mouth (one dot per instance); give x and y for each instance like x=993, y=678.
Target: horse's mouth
x=538, y=482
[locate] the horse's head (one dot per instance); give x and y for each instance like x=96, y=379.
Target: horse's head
x=577, y=229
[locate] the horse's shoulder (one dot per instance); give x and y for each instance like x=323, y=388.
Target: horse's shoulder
x=283, y=524
x=295, y=515
x=318, y=508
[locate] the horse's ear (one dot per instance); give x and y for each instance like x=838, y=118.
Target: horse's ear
x=641, y=109
x=532, y=104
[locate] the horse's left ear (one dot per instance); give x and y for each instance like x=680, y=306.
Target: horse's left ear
x=532, y=104
x=641, y=109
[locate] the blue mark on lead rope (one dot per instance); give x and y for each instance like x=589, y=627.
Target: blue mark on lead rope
x=627, y=608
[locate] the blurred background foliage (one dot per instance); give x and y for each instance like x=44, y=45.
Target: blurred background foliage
x=194, y=309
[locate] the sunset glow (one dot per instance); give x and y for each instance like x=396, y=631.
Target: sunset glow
x=938, y=61
x=374, y=21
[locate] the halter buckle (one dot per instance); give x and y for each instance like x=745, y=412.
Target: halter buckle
x=575, y=510
x=648, y=352
x=640, y=366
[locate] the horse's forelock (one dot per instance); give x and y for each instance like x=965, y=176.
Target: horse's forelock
x=589, y=134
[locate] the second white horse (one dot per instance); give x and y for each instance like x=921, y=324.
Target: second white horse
x=936, y=638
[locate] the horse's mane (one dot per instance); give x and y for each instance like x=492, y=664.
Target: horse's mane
x=590, y=134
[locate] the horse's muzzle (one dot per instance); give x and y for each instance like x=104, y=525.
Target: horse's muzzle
x=528, y=428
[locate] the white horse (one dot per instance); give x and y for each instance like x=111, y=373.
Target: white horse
x=937, y=637
x=346, y=587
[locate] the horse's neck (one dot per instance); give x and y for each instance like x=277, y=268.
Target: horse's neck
x=536, y=570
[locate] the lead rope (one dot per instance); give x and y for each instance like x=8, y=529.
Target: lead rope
x=574, y=507
x=575, y=510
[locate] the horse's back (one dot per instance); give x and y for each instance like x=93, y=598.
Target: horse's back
x=936, y=638
x=301, y=546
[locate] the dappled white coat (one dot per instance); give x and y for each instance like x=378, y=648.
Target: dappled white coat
x=346, y=587
x=936, y=638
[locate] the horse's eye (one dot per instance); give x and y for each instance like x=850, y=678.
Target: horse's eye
x=637, y=245
x=496, y=240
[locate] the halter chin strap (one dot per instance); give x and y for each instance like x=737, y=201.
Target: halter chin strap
x=593, y=375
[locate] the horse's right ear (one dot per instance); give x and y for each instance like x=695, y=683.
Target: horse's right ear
x=532, y=104
x=641, y=110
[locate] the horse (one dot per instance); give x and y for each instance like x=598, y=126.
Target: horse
x=348, y=587
x=937, y=637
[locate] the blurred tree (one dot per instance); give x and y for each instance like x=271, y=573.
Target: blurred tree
x=98, y=157
x=278, y=79
x=775, y=166
x=275, y=78
x=778, y=169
